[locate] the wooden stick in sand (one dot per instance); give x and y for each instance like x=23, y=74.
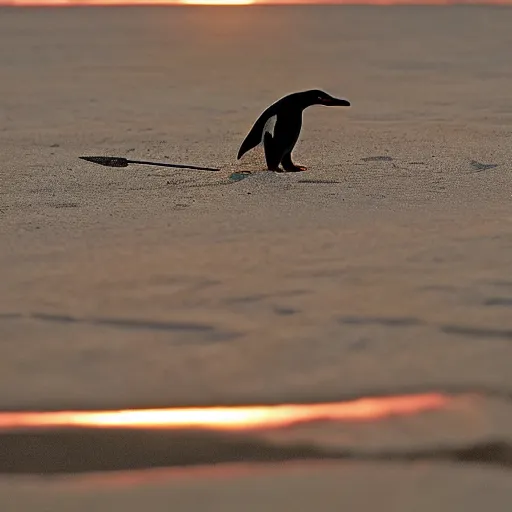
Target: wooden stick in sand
x=115, y=161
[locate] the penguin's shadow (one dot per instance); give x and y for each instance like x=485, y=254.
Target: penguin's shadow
x=242, y=174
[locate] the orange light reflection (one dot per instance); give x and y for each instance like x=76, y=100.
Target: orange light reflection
x=217, y=2
x=71, y=3
x=230, y=418
x=75, y=3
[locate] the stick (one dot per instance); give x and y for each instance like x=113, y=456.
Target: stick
x=116, y=161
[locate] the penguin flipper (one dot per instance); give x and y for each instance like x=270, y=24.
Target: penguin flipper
x=255, y=136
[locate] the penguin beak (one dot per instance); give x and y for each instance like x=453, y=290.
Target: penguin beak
x=336, y=102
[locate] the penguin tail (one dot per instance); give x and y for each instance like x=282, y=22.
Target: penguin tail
x=256, y=133
x=250, y=142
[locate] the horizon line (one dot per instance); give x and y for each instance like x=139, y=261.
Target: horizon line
x=182, y=3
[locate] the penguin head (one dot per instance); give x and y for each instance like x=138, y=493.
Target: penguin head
x=317, y=97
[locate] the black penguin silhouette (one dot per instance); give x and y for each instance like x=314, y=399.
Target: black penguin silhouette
x=279, y=127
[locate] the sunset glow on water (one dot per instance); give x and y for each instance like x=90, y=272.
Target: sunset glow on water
x=230, y=418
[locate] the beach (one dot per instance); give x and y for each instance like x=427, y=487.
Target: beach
x=384, y=268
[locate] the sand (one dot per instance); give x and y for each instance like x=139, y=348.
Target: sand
x=385, y=267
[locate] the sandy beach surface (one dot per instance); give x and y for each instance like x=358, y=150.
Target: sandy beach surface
x=386, y=267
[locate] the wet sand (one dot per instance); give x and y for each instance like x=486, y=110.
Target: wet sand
x=295, y=487
x=385, y=267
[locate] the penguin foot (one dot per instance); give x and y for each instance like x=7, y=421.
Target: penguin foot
x=295, y=168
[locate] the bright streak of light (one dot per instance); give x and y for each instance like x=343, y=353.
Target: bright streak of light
x=71, y=3
x=217, y=2
x=230, y=418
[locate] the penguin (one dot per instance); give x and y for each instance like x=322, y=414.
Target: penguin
x=278, y=128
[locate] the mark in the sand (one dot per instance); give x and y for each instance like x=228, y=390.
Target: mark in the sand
x=477, y=332
x=239, y=176
x=55, y=145
x=246, y=299
x=482, y=167
x=388, y=322
x=291, y=293
x=417, y=163
x=54, y=318
x=191, y=327
x=258, y=297
x=284, y=311
x=498, y=301
x=153, y=325
x=321, y=273
x=65, y=205
x=319, y=182
x=377, y=159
